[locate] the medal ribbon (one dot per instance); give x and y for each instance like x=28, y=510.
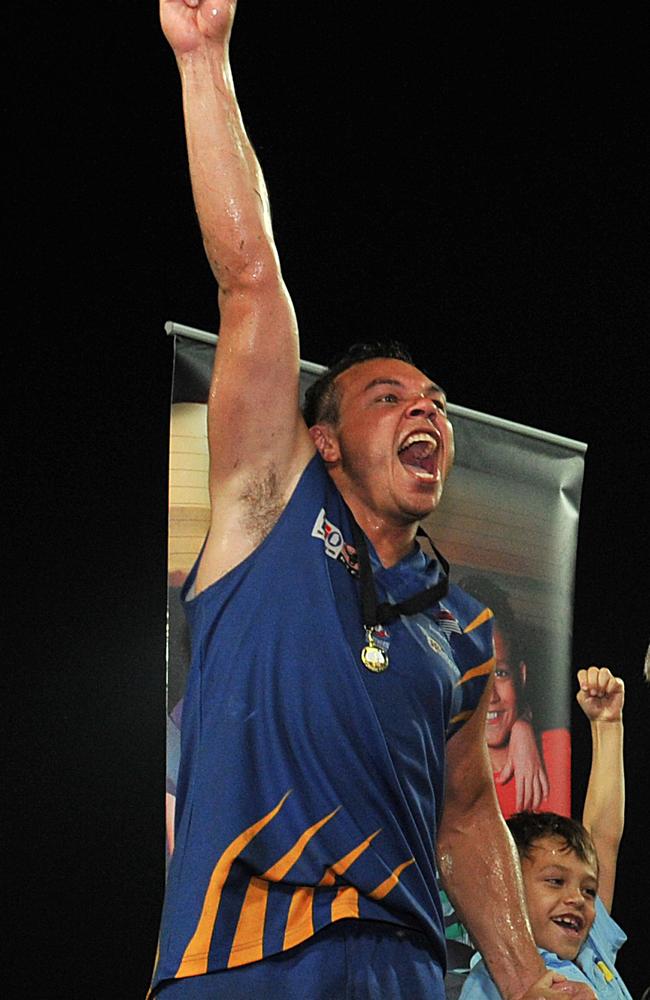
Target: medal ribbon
x=375, y=613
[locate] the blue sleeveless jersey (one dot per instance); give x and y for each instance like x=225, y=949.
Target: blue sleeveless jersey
x=310, y=789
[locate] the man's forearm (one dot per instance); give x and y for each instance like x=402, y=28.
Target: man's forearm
x=480, y=871
x=479, y=864
x=229, y=190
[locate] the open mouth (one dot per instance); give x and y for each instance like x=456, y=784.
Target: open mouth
x=569, y=923
x=418, y=455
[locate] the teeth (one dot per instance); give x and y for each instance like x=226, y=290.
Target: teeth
x=568, y=922
x=491, y=715
x=413, y=438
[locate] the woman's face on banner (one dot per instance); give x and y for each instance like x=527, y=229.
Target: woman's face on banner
x=503, y=709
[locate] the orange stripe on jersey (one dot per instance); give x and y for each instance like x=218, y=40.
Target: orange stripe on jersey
x=484, y=616
x=385, y=887
x=248, y=942
x=278, y=871
x=339, y=867
x=346, y=904
x=479, y=671
x=300, y=922
x=195, y=957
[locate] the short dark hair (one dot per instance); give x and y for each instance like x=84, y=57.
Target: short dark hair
x=322, y=397
x=529, y=827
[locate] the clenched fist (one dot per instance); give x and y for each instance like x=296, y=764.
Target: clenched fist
x=601, y=695
x=188, y=24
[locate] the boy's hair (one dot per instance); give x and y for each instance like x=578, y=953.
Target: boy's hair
x=528, y=827
x=321, y=403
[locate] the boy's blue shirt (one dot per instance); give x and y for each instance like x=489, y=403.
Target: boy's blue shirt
x=597, y=957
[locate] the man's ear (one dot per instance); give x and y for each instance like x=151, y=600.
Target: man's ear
x=326, y=441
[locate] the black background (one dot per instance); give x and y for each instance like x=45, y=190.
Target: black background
x=473, y=184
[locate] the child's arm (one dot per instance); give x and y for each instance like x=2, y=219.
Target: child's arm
x=601, y=698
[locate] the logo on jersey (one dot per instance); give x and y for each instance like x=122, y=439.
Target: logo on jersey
x=446, y=622
x=335, y=545
x=436, y=646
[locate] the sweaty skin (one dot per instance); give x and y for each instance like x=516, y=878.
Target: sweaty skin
x=384, y=404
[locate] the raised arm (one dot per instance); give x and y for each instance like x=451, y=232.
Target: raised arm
x=480, y=870
x=601, y=697
x=258, y=441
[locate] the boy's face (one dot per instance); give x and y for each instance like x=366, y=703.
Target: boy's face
x=561, y=896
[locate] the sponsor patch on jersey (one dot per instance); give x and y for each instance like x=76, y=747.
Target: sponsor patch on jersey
x=335, y=545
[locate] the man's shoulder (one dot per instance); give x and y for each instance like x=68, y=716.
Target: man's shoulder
x=244, y=532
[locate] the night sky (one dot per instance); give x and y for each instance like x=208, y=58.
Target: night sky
x=475, y=185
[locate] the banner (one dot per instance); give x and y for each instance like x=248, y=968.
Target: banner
x=508, y=524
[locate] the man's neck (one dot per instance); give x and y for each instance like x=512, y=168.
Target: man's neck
x=391, y=541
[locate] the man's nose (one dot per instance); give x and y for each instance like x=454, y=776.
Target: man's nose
x=422, y=406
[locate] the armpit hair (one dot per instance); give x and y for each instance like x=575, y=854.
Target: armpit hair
x=262, y=505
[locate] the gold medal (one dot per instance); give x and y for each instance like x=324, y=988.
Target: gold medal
x=372, y=656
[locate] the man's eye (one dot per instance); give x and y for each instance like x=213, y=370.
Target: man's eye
x=440, y=403
x=591, y=892
x=555, y=881
x=388, y=397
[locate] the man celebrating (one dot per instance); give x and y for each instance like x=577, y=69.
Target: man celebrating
x=333, y=724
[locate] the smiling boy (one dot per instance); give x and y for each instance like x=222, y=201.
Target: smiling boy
x=560, y=870
x=569, y=868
